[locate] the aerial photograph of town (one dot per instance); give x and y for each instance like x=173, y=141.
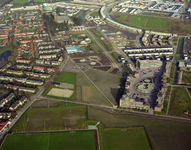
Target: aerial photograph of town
x=95, y=75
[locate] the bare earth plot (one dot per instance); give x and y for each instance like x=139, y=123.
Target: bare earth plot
x=60, y=92
x=106, y=82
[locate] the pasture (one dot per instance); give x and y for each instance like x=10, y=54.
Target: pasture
x=158, y=23
x=138, y=21
x=180, y=102
x=81, y=140
x=125, y=138
x=64, y=117
x=163, y=134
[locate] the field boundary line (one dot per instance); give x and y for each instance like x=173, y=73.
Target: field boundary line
x=146, y=22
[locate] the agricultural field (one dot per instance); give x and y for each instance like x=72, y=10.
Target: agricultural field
x=180, y=102
x=106, y=82
x=124, y=138
x=162, y=134
x=63, y=117
x=138, y=21
x=158, y=23
x=81, y=140
x=65, y=77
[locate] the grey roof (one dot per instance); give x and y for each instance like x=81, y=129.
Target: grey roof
x=62, y=18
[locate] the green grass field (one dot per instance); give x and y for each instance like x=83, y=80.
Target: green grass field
x=162, y=134
x=138, y=20
x=65, y=77
x=127, y=138
x=79, y=140
x=186, y=77
x=180, y=102
x=95, y=14
x=55, y=118
x=159, y=23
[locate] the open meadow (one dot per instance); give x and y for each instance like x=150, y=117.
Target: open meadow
x=138, y=20
x=81, y=140
x=124, y=138
x=106, y=82
x=179, y=103
x=62, y=117
x=162, y=134
x=155, y=23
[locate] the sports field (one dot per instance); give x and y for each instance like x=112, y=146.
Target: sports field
x=162, y=134
x=79, y=140
x=158, y=23
x=65, y=77
x=63, y=117
x=124, y=139
x=60, y=92
x=138, y=20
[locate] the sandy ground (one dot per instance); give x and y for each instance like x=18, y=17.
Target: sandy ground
x=60, y=92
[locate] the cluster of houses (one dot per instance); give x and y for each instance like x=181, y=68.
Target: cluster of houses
x=155, y=40
x=11, y=103
x=4, y=36
x=49, y=54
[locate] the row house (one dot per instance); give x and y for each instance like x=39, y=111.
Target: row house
x=49, y=51
x=40, y=61
x=5, y=67
x=10, y=86
x=3, y=125
x=41, y=75
x=5, y=115
x=18, y=103
x=47, y=62
x=22, y=80
x=29, y=73
x=25, y=41
x=34, y=82
x=32, y=50
x=46, y=47
x=38, y=40
x=23, y=66
x=44, y=43
x=16, y=72
x=27, y=89
x=6, y=99
x=38, y=68
x=3, y=36
x=4, y=42
x=51, y=70
x=56, y=63
x=48, y=56
x=26, y=61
